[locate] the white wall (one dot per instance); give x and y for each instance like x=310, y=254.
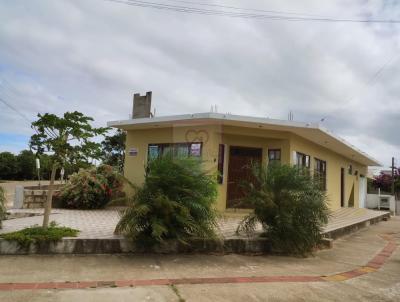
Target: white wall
x=373, y=201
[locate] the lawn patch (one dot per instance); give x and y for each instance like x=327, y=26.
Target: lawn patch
x=37, y=234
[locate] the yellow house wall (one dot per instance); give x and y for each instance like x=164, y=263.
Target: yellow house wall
x=134, y=169
x=213, y=135
x=334, y=163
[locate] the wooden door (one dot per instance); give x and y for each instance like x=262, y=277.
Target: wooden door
x=239, y=172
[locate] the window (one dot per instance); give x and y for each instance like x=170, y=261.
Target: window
x=302, y=160
x=274, y=155
x=320, y=173
x=221, y=155
x=176, y=150
x=154, y=151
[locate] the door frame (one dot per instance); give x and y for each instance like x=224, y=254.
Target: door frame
x=260, y=149
x=342, y=187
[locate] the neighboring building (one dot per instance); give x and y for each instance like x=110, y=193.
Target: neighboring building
x=228, y=143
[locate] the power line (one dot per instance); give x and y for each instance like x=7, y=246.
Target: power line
x=379, y=71
x=6, y=93
x=274, y=15
x=372, y=79
x=244, y=9
x=15, y=110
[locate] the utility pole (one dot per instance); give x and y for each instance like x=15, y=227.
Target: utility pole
x=38, y=169
x=392, y=176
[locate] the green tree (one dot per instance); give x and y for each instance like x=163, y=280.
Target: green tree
x=26, y=165
x=67, y=139
x=114, y=150
x=2, y=206
x=289, y=205
x=176, y=201
x=8, y=166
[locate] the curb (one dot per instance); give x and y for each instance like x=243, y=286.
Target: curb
x=122, y=245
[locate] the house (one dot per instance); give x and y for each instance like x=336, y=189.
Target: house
x=228, y=143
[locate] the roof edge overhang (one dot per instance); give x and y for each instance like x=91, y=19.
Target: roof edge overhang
x=291, y=126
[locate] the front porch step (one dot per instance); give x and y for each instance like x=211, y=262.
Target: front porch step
x=347, y=220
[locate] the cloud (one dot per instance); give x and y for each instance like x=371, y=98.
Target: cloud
x=93, y=55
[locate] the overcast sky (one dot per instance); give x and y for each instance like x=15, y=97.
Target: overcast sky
x=92, y=55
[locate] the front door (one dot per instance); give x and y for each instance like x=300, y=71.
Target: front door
x=362, y=192
x=239, y=172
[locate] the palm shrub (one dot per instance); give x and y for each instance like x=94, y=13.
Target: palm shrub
x=91, y=188
x=175, y=202
x=2, y=206
x=289, y=205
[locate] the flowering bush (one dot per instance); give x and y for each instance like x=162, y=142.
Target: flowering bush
x=384, y=181
x=91, y=188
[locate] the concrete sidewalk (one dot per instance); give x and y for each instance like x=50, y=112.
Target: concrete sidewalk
x=349, y=253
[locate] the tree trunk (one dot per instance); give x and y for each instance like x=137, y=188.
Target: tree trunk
x=47, y=208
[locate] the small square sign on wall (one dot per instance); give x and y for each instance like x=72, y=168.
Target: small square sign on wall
x=133, y=151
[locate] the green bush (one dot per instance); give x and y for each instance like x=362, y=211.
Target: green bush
x=39, y=234
x=2, y=206
x=290, y=207
x=91, y=188
x=175, y=202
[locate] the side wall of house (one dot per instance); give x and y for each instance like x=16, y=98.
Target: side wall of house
x=334, y=163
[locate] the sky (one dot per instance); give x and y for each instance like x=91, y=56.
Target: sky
x=93, y=55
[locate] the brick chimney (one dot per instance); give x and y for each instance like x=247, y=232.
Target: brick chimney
x=141, y=105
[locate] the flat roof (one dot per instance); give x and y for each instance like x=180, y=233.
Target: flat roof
x=313, y=132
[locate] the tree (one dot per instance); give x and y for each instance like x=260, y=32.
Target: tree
x=8, y=165
x=2, y=206
x=384, y=181
x=26, y=165
x=67, y=139
x=114, y=149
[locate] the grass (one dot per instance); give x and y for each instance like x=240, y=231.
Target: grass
x=37, y=234
x=177, y=293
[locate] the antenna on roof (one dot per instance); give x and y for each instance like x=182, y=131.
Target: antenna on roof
x=290, y=115
x=213, y=109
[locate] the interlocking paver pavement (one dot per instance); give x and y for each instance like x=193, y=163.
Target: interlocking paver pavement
x=91, y=223
x=101, y=223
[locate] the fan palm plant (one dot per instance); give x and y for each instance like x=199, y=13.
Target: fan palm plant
x=175, y=202
x=289, y=205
